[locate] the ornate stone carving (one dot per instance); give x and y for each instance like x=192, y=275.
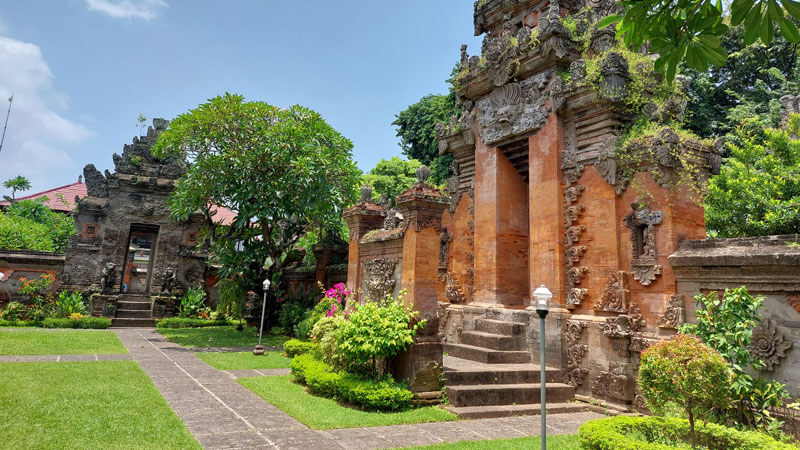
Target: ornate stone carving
x=444, y=249
x=575, y=275
x=575, y=352
x=624, y=325
x=499, y=54
x=514, y=109
x=640, y=344
x=423, y=173
x=575, y=297
x=452, y=289
x=170, y=278
x=616, y=294
x=642, y=223
x=607, y=164
x=573, y=235
x=572, y=213
x=574, y=255
x=673, y=316
x=614, y=68
x=578, y=71
x=366, y=193
x=393, y=219
x=613, y=383
x=572, y=193
x=96, y=183
x=379, y=280
x=638, y=400
x=108, y=278
x=768, y=344
x=554, y=37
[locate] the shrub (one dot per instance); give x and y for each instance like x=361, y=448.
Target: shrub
x=291, y=314
x=726, y=324
x=657, y=433
x=84, y=322
x=15, y=311
x=231, y=297
x=322, y=379
x=687, y=372
x=192, y=304
x=186, y=322
x=17, y=323
x=374, y=332
x=333, y=302
x=294, y=347
x=30, y=225
x=69, y=303
x=324, y=335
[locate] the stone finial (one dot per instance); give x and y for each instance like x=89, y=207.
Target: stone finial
x=366, y=193
x=423, y=173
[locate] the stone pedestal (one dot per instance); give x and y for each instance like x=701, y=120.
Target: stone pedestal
x=420, y=366
x=104, y=305
x=163, y=306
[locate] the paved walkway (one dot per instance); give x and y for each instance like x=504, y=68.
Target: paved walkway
x=221, y=413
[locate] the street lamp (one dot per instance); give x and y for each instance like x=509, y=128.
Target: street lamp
x=259, y=350
x=542, y=295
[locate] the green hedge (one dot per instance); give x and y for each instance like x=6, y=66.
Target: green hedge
x=85, y=322
x=184, y=322
x=382, y=395
x=294, y=347
x=18, y=323
x=657, y=433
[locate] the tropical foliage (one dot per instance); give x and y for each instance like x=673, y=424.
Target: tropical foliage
x=30, y=225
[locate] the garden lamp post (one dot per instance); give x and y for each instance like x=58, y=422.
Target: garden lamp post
x=542, y=295
x=259, y=350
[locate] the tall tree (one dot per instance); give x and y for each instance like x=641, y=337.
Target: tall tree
x=749, y=85
x=282, y=170
x=18, y=183
x=391, y=177
x=416, y=128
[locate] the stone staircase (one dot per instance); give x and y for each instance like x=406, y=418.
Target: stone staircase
x=133, y=311
x=489, y=374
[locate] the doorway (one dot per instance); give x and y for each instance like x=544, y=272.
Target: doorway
x=139, y=259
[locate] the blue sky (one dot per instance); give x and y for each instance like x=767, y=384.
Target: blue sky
x=82, y=70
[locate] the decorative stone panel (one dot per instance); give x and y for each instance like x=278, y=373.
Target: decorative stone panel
x=673, y=316
x=642, y=223
x=768, y=344
x=379, y=280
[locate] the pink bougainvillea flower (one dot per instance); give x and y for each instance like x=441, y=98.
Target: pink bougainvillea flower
x=329, y=314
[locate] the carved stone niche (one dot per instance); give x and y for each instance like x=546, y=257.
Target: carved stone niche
x=379, y=280
x=514, y=109
x=616, y=294
x=624, y=325
x=444, y=250
x=614, y=384
x=673, y=316
x=768, y=344
x=642, y=223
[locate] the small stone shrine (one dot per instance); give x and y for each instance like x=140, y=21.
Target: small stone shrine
x=544, y=191
x=128, y=252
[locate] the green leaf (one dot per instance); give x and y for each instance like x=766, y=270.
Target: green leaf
x=609, y=20
x=767, y=31
x=789, y=31
x=739, y=10
x=793, y=8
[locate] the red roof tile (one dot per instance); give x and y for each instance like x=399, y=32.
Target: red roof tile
x=55, y=196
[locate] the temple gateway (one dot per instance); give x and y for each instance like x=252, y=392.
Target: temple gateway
x=545, y=192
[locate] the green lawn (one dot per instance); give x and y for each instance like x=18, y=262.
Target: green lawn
x=560, y=442
x=62, y=342
x=219, y=337
x=323, y=414
x=245, y=360
x=107, y=404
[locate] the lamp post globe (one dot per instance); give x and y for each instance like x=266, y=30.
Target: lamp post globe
x=542, y=296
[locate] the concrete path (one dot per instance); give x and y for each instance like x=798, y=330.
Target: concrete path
x=221, y=413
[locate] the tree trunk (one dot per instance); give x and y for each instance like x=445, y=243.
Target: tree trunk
x=690, y=411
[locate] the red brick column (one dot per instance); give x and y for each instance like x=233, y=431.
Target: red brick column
x=362, y=218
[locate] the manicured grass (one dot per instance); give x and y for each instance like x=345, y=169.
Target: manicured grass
x=107, y=404
x=219, y=337
x=323, y=414
x=560, y=442
x=245, y=360
x=62, y=342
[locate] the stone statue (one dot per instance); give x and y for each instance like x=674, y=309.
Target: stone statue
x=107, y=278
x=169, y=280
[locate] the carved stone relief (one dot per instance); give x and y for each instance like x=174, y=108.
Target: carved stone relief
x=575, y=352
x=673, y=316
x=768, y=344
x=379, y=280
x=613, y=383
x=607, y=164
x=616, y=294
x=514, y=109
x=642, y=223
x=444, y=249
x=624, y=325
x=452, y=289
x=575, y=296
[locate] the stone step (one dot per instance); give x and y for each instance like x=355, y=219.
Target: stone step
x=499, y=376
x=139, y=306
x=140, y=323
x=507, y=394
x=486, y=356
x=489, y=340
x=499, y=327
x=134, y=314
x=486, y=412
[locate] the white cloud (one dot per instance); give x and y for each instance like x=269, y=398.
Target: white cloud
x=38, y=134
x=128, y=9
